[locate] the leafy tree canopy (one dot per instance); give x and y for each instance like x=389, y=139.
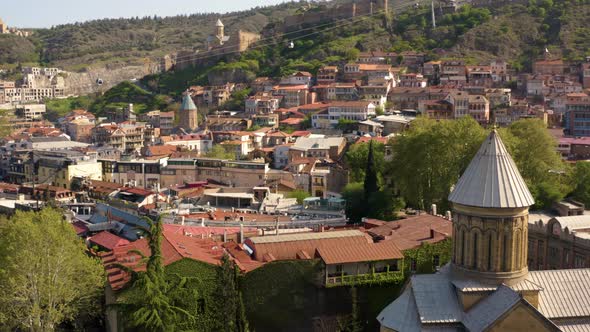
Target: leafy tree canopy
x=46, y=277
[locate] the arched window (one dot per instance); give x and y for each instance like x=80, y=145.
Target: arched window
x=475, y=244
x=490, y=252
x=518, y=250
x=463, y=247
x=505, y=253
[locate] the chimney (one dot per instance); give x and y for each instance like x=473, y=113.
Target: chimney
x=224, y=235
x=433, y=209
x=202, y=222
x=241, y=233
x=448, y=215
x=182, y=220
x=20, y=197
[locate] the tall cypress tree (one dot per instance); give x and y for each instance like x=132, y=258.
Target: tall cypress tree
x=370, y=185
x=149, y=305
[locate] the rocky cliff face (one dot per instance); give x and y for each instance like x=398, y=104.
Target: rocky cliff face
x=88, y=82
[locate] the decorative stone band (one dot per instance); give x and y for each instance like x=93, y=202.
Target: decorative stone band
x=490, y=212
x=496, y=278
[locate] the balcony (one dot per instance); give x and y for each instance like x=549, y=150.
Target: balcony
x=364, y=279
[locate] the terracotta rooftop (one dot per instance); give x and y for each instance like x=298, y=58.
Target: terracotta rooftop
x=412, y=232
x=108, y=240
x=366, y=252
x=174, y=248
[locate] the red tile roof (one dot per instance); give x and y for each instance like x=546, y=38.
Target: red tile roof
x=160, y=150
x=414, y=231
x=138, y=191
x=174, y=248
x=366, y=252
x=80, y=227
x=108, y=240
x=364, y=139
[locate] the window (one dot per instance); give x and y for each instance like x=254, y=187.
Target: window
x=505, y=253
x=462, y=248
x=339, y=268
x=475, y=244
x=579, y=261
x=490, y=252
x=436, y=261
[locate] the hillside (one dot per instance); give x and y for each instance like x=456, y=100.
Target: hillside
x=15, y=49
x=132, y=40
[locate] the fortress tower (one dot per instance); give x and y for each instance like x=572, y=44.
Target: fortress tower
x=3, y=27
x=219, y=28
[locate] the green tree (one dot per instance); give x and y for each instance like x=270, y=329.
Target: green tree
x=357, y=156
x=582, y=177
x=533, y=149
x=217, y=151
x=370, y=183
x=148, y=303
x=430, y=156
x=353, y=194
x=299, y=194
x=46, y=277
x=230, y=310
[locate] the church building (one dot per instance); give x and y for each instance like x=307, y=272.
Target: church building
x=187, y=115
x=487, y=285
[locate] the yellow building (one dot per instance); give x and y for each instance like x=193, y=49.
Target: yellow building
x=58, y=168
x=487, y=285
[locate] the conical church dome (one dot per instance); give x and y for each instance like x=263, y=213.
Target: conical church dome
x=492, y=179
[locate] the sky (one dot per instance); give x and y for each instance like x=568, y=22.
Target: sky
x=45, y=13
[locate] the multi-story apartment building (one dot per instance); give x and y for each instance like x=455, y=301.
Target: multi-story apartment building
x=31, y=112
x=298, y=78
x=293, y=95
x=136, y=173
x=125, y=136
x=342, y=91
x=317, y=147
x=412, y=80
x=262, y=103
x=58, y=168
x=349, y=110
x=327, y=74
x=577, y=115
x=228, y=172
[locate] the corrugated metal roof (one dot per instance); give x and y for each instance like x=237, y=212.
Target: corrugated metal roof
x=566, y=293
x=574, y=222
x=574, y=325
x=401, y=314
x=489, y=309
x=492, y=179
x=305, y=236
x=435, y=299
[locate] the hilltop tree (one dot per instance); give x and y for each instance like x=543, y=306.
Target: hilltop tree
x=46, y=277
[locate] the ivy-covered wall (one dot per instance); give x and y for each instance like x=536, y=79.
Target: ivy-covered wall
x=424, y=257
x=199, y=296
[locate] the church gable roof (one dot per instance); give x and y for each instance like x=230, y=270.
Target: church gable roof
x=496, y=307
x=492, y=179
